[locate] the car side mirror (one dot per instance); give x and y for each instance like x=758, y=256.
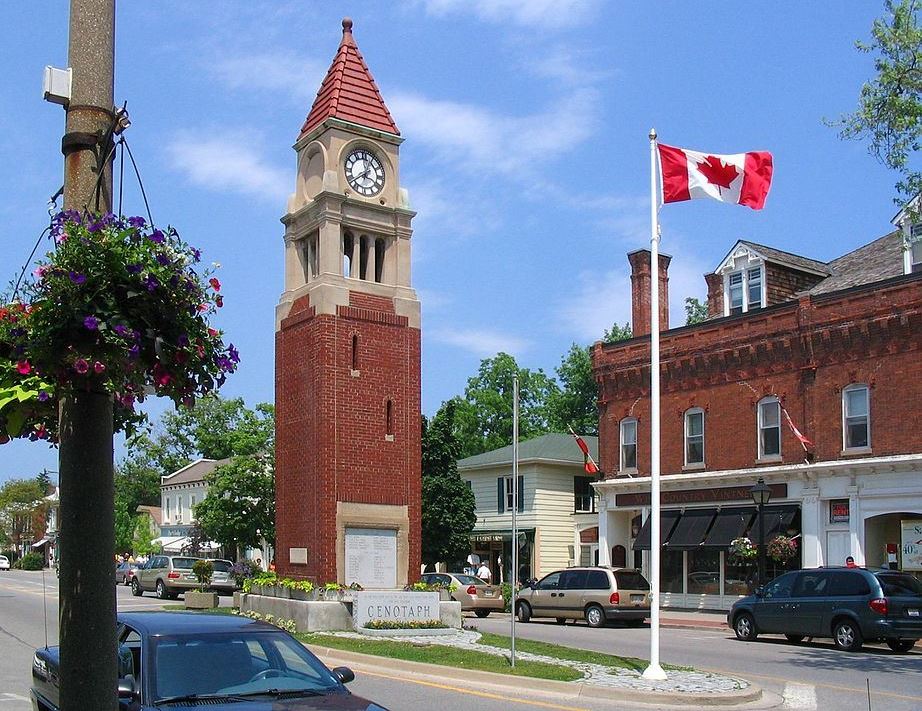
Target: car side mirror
x=759, y=591
x=127, y=688
x=344, y=674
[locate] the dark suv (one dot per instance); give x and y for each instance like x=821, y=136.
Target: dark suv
x=851, y=605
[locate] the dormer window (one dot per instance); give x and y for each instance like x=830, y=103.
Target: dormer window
x=743, y=290
x=915, y=250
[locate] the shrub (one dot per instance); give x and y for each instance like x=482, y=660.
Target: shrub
x=203, y=571
x=30, y=561
x=409, y=625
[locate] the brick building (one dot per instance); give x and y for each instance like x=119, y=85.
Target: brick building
x=348, y=346
x=833, y=346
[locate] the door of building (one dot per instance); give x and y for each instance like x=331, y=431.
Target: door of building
x=838, y=547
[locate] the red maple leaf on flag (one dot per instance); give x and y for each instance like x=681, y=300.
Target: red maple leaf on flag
x=717, y=173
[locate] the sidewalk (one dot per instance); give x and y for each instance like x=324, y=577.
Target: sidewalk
x=693, y=619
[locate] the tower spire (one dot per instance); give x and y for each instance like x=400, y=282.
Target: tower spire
x=349, y=92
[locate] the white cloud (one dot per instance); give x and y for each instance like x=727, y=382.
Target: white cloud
x=228, y=161
x=481, y=140
x=538, y=14
x=482, y=343
x=281, y=72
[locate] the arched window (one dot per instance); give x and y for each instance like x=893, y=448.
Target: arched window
x=856, y=417
x=363, y=257
x=348, y=242
x=629, y=444
x=694, y=436
x=769, y=433
x=379, y=260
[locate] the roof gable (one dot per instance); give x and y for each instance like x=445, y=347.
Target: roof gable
x=349, y=92
x=193, y=472
x=775, y=256
x=552, y=447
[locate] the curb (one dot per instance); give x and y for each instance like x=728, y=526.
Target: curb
x=561, y=689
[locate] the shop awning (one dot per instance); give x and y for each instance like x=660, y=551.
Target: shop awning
x=777, y=520
x=42, y=541
x=666, y=523
x=730, y=523
x=690, y=530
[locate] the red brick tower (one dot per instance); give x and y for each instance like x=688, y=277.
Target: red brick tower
x=347, y=363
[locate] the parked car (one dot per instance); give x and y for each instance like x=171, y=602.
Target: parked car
x=222, y=581
x=123, y=573
x=4, y=563
x=850, y=605
x=165, y=575
x=599, y=594
x=472, y=592
x=135, y=567
x=225, y=662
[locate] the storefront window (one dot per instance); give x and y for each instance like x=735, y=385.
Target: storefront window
x=671, y=571
x=704, y=571
x=737, y=575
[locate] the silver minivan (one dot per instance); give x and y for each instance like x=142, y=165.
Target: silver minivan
x=165, y=575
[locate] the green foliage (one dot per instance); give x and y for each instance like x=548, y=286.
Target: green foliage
x=448, y=505
x=889, y=113
x=695, y=311
x=484, y=416
x=142, y=541
x=30, y=561
x=618, y=333
x=43, y=479
x=575, y=403
x=408, y=625
x=125, y=525
x=19, y=500
x=240, y=507
x=203, y=570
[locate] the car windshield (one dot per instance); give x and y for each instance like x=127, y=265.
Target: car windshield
x=222, y=566
x=897, y=584
x=184, y=563
x=469, y=580
x=244, y=662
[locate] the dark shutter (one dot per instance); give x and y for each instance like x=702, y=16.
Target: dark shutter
x=500, y=495
x=521, y=494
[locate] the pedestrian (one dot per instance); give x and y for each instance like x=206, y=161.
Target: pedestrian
x=483, y=572
x=272, y=565
x=259, y=563
x=850, y=562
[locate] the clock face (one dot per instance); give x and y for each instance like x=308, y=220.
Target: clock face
x=364, y=172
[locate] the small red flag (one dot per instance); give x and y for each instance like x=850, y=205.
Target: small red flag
x=588, y=464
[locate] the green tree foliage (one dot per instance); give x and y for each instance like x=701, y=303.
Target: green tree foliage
x=889, y=113
x=447, y=501
x=240, y=507
x=574, y=404
x=44, y=481
x=142, y=541
x=618, y=333
x=19, y=499
x=124, y=527
x=483, y=417
x=695, y=311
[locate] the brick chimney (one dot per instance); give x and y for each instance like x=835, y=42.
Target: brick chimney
x=640, y=291
x=715, y=284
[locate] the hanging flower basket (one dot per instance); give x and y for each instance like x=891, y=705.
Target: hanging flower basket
x=743, y=549
x=118, y=306
x=782, y=548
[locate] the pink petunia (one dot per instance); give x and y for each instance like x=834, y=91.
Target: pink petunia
x=215, y=284
x=81, y=366
x=99, y=367
x=23, y=367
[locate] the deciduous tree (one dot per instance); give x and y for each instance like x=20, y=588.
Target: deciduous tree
x=574, y=403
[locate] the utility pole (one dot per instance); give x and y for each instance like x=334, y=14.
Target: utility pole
x=89, y=672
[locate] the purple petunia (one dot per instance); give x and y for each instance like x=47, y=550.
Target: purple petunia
x=77, y=277
x=196, y=254
x=134, y=268
x=134, y=351
x=233, y=354
x=91, y=323
x=163, y=260
x=182, y=341
x=121, y=330
x=150, y=281
x=156, y=236
x=43, y=397
x=137, y=221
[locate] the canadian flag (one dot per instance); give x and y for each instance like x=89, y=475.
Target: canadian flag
x=741, y=178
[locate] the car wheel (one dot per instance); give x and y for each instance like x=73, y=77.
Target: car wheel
x=595, y=616
x=561, y=620
x=900, y=646
x=523, y=612
x=745, y=627
x=481, y=613
x=162, y=594
x=136, y=588
x=847, y=636
x=794, y=638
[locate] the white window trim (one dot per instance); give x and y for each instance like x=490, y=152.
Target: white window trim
x=745, y=285
x=762, y=455
x=626, y=420
x=688, y=464
x=867, y=396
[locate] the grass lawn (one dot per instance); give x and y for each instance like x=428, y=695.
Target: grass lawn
x=443, y=655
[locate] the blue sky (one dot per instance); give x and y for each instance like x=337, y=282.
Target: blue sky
x=526, y=152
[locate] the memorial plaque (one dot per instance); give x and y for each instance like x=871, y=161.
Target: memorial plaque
x=400, y=607
x=297, y=556
x=371, y=557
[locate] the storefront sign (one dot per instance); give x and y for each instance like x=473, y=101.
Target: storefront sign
x=911, y=544
x=838, y=511
x=694, y=496
x=488, y=538
x=400, y=607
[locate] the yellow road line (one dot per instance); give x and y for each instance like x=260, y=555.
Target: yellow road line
x=482, y=694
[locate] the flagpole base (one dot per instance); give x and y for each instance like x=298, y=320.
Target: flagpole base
x=654, y=672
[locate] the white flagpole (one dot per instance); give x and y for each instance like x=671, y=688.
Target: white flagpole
x=654, y=671
x=513, y=577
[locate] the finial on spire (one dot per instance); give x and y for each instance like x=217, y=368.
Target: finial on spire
x=347, y=25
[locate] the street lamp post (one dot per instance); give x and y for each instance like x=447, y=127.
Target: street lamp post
x=761, y=494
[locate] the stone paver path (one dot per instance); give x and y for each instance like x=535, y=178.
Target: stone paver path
x=596, y=674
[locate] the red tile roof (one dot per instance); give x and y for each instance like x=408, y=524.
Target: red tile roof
x=349, y=92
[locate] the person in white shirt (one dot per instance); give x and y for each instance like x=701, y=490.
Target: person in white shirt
x=483, y=572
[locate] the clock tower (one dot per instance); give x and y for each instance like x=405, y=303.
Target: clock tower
x=347, y=362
